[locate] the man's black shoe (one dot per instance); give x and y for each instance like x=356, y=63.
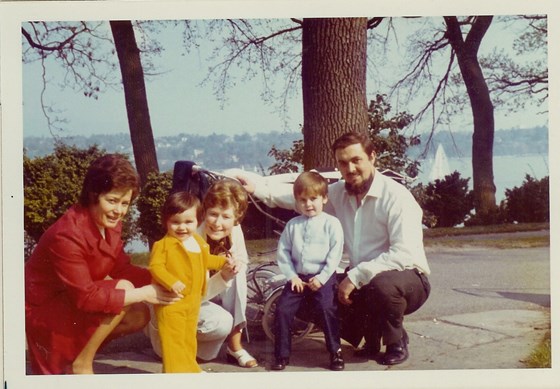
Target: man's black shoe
x=397, y=352
x=337, y=362
x=280, y=363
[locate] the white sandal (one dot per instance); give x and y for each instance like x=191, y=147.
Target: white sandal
x=241, y=357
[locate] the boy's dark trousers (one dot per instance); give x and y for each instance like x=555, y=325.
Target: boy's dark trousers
x=324, y=310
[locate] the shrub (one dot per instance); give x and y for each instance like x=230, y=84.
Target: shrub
x=529, y=203
x=445, y=202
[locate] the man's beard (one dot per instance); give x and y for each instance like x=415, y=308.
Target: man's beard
x=360, y=189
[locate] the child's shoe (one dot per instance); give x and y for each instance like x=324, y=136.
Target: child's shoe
x=280, y=363
x=337, y=362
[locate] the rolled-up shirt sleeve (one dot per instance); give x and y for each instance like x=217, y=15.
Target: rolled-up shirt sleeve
x=275, y=194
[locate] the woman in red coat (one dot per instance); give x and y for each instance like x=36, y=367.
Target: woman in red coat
x=80, y=288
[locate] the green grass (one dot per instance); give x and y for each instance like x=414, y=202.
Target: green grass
x=510, y=243
x=140, y=259
x=494, y=229
x=541, y=356
x=261, y=246
x=487, y=236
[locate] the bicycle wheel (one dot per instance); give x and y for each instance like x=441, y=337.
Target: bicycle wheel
x=257, y=285
x=300, y=328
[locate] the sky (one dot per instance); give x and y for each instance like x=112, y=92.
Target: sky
x=179, y=103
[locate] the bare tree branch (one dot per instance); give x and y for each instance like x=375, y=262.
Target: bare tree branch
x=374, y=22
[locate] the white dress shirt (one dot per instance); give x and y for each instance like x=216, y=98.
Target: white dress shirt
x=383, y=232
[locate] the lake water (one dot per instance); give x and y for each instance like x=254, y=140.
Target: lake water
x=509, y=171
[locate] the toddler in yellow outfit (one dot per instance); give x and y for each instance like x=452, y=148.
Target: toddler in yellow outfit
x=179, y=262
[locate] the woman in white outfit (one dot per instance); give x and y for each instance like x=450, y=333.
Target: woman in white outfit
x=223, y=318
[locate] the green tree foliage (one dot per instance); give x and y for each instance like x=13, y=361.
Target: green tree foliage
x=529, y=203
x=287, y=161
x=149, y=204
x=446, y=202
x=386, y=133
x=52, y=184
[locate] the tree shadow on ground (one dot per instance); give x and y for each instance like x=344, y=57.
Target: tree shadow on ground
x=539, y=299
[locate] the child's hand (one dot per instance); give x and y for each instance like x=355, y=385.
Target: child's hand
x=178, y=287
x=314, y=284
x=297, y=284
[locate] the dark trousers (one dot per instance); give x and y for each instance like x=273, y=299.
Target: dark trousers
x=323, y=307
x=378, y=308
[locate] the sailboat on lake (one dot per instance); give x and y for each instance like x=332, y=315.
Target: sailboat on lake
x=440, y=165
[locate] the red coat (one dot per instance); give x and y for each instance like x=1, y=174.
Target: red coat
x=66, y=290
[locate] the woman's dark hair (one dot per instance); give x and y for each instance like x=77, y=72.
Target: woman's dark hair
x=352, y=138
x=179, y=202
x=111, y=171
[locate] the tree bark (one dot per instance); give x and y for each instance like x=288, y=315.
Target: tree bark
x=141, y=134
x=334, y=59
x=482, y=109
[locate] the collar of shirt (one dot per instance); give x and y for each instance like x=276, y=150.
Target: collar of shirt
x=375, y=190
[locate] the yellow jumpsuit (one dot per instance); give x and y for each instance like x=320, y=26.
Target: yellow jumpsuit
x=171, y=262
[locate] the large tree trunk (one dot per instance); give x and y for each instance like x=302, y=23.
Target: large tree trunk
x=141, y=134
x=334, y=84
x=482, y=109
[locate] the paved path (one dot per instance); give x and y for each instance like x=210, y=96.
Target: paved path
x=483, y=340
x=489, y=308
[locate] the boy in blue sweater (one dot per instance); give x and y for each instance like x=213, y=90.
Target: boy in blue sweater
x=309, y=252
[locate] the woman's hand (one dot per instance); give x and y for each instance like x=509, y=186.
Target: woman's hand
x=157, y=294
x=229, y=270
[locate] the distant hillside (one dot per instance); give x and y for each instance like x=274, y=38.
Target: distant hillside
x=212, y=151
x=506, y=142
x=250, y=152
